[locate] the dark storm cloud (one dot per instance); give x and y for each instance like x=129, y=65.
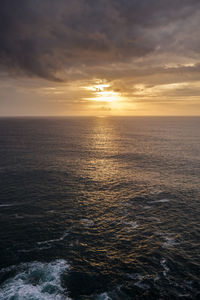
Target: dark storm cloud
x=48, y=38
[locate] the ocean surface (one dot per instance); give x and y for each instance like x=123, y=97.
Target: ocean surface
x=100, y=208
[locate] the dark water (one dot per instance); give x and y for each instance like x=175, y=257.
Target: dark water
x=99, y=208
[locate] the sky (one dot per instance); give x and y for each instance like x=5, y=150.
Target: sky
x=99, y=57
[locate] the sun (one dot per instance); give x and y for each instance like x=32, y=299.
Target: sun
x=103, y=98
x=103, y=93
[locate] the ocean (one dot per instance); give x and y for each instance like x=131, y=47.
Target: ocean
x=100, y=208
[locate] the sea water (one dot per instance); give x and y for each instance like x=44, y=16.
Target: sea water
x=99, y=208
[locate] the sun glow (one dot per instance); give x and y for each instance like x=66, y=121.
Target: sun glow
x=103, y=93
x=106, y=96
x=103, y=99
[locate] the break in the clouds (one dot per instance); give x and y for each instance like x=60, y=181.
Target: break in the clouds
x=135, y=45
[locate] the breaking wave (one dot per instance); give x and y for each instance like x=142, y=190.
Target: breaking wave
x=35, y=281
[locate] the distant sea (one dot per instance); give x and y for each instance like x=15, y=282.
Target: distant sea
x=100, y=208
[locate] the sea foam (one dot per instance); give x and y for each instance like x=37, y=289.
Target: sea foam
x=36, y=280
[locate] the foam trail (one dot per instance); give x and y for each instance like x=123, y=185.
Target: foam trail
x=54, y=240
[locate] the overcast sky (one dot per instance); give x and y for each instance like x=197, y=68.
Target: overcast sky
x=99, y=57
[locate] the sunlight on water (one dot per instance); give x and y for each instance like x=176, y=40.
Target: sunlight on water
x=116, y=198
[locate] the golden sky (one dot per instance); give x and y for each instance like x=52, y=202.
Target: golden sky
x=101, y=57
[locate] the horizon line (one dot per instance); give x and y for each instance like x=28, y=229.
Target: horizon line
x=95, y=116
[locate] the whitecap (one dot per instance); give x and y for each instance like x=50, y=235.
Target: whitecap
x=155, y=219
x=159, y=192
x=169, y=239
x=166, y=269
x=162, y=200
x=132, y=224
x=156, y=278
x=35, y=249
x=54, y=240
x=146, y=207
x=186, y=296
x=140, y=280
x=169, y=242
x=18, y=216
x=127, y=204
x=11, y=204
x=87, y=222
x=134, y=276
x=36, y=280
x=103, y=296
x=142, y=285
x=159, y=201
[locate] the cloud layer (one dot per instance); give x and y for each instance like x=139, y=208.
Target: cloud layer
x=146, y=51
x=60, y=40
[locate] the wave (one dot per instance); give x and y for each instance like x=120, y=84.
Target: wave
x=34, y=249
x=103, y=296
x=7, y=205
x=129, y=226
x=12, y=204
x=54, y=240
x=87, y=222
x=132, y=224
x=169, y=239
x=44, y=245
x=159, y=201
x=36, y=280
x=169, y=242
x=166, y=269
